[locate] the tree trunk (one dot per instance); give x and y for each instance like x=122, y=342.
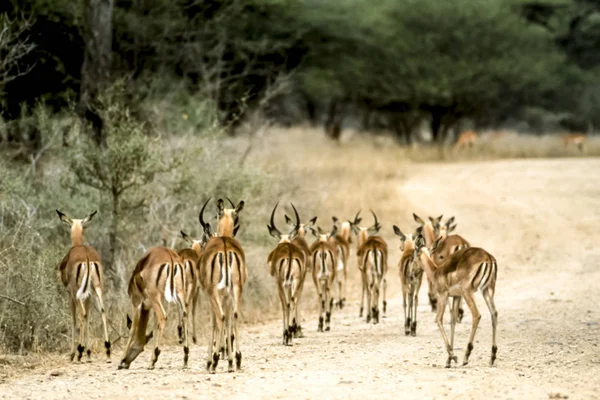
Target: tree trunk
x=95, y=71
x=109, y=265
x=436, y=125
x=333, y=123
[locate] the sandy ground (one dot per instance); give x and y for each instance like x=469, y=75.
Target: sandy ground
x=539, y=218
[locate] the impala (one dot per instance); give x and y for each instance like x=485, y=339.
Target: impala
x=287, y=266
x=464, y=273
x=300, y=241
x=576, y=139
x=411, y=276
x=81, y=272
x=342, y=243
x=159, y=275
x=372, y=262
x=190, y=257
x=466, y=138
x=324, y=262
x=430, y=233
x=222, y=275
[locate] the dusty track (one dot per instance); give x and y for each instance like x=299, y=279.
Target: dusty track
x=539, y=218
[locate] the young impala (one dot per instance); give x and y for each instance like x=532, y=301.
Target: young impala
x=461, y=275
x=324, y=261
x=159, y=275
x=411, y=276
x=81, y=272
x=287, y=266
x=342, y=243
x=372, y=262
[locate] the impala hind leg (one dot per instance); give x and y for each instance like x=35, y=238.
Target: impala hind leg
x=441, y=302
x=73, y=326
x=432, y=296
x=475, y=316
x=384, y=296
x=329, y=304
x=104, y=324
x=453, y=318
x=363, y=294
x=415, y=307
x=488, y=295
x=406, y=316
x=83, y=323
x=237, y=299
x=161, y=319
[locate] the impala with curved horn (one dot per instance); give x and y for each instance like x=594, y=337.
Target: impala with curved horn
x=372, y=262
x=222, y=274
x=287, y=266
x=81, y=272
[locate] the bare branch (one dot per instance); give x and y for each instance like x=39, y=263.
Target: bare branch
x=15, y=44
x=13, y=300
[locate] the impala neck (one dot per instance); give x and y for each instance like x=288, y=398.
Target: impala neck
x=196, y=247
x=429, y=234
x=363, y=235
x=225, y=226
x=428, y=265
x=345, y=231
x=76, y=234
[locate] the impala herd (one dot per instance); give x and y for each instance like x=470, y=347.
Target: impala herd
x=216, y=263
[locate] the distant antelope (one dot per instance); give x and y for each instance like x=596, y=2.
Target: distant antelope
x=287, y=266
x=466, y=138
x=463, y=274
x=324, y=261
x=223, y=274
x=430, y=231
x=190, y=258
x=342, y=243
x=411, y=276
x=159, y=275
x=576, y=139
x=300, y=241
x=372, y=262
x=81, y=272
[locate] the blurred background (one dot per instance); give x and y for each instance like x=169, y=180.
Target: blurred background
x=142, y=109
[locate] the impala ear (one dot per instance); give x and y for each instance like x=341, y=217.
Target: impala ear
x=452, y=228
x=273, y=232
x=398, y=232
x=418, y=219
x=63, y=217
x=449, y=222
x=240, y=206
x=289, y=221
x=89, y=217
x=312, y=222
x=185, y=237
x=436, y=244
x=334, y=231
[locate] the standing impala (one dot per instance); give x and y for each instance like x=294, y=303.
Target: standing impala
x=341, y=241
x=372, y=262
x=324, y=261
x=300, y=241
x=81, y=272
x=159, y=275
x=430, y=231
x=411, y=276
x=223, y=274
x=190, y=258
x=464, y=273
x=287, y=266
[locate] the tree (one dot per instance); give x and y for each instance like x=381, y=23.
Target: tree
x=14, y=46
x=127, y=162
x=97, y=62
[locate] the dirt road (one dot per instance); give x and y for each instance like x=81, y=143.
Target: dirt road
x=539, y=218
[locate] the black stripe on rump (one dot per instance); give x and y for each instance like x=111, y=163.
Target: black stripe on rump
x=160, y=270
